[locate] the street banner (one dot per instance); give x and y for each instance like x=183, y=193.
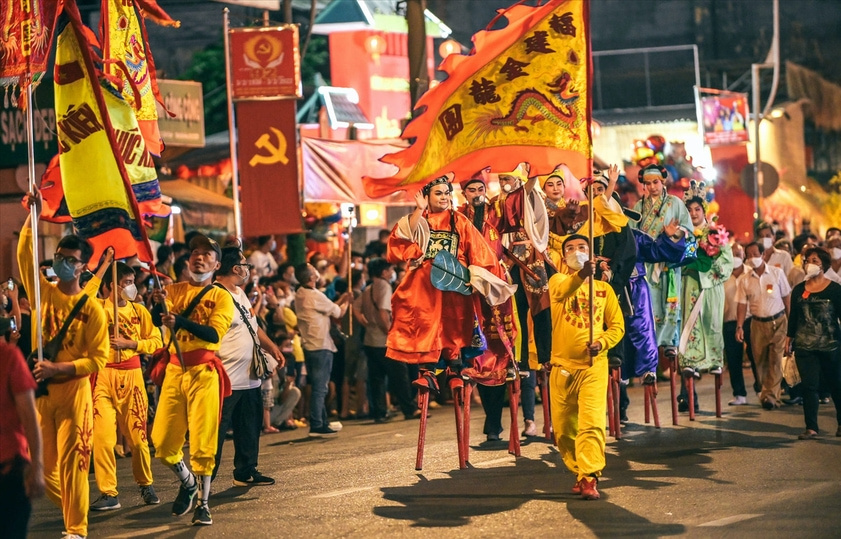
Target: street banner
x=523, y=94
x=25, y=38
x=267, y=151
x=722, y=116
x=265, y=63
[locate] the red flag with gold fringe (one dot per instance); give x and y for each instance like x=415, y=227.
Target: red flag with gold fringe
x=523, y=94
x=26, y=33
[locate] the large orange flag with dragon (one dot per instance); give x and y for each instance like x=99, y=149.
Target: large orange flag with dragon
x=523, y=94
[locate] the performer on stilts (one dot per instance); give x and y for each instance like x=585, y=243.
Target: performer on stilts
x=430, y=324
x=491, y=368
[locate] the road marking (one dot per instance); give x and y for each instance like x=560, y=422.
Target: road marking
x=341, y=492
x=144, y=531
x=729, y=520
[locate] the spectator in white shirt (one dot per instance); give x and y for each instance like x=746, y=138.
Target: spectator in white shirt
x=765, y=290
x=314, y=311
x=262, y=259
x=772, y=256
x=734, y=351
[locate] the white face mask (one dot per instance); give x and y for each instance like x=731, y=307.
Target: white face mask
x=129, y=292
x=200, y=277
x=835, y=253
x=812, y=270
x=577, y=259
x=737, y=263
x=507, y=187
x=767, y=243
x=754, y=262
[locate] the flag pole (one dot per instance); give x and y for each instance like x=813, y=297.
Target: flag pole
x=33, y=213
x=590, y=243
x=116, y=299
x=226, y=28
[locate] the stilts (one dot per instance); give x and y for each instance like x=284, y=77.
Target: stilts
x=513, y=406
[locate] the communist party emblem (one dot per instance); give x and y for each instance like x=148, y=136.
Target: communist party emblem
x=522, y=94
x=263, y=52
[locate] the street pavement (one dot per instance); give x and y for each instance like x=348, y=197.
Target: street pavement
x=744, y=475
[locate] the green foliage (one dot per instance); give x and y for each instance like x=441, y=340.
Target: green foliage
x=317, y=60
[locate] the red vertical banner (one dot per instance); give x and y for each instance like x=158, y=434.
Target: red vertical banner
x=265, y=62
x=267, y=150
x=735, y=206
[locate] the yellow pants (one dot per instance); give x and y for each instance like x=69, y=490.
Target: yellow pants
x=119, y=398
x=189, y=400
x=66, y=417
x=579, y=406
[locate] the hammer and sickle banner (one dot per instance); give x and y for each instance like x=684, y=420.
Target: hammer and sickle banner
x=523, y=94
x=96, y=183
x=268, y=162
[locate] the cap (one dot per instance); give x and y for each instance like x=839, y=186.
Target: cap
x=204, y=242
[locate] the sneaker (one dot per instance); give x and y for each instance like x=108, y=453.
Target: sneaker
x=792, y=401
x=576, y=488
x=322, y=432
x=256, y=480
x=716, y=370
x=689, y=371
x=824, y=400
x=149, y=496
x=682, y=405
x=184, y=501
x=588, y=488
x=738, y=401
x=649, y=378
x=201, y=516
x=105, y=503
x=335, y=425
x=531, y=428
x=493, y=438
x=384, y=419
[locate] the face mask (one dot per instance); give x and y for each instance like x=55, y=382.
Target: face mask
x=200, y=277
x=835, y=253
x=393, y=277
x=737, y=263
x=812, y=270
x=273, y=245
x=507, y=187
x=755, y=262
x=479, y=200
x=65, y=271
x=767, y=243
x=577, y=259
x=129, y=292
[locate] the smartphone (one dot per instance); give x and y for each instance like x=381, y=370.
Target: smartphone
x=12, y=325
x=10, y=284
x=50, y=273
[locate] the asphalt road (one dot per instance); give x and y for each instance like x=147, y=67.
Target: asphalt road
x=744, y=475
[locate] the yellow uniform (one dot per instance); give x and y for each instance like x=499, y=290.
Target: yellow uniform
x=578, y=389
x=66, y=413
x=119, y=398
x=192, y=399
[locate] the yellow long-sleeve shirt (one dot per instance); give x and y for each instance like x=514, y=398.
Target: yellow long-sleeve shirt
x=571, y=324
x=216, y=309
x=135, y=323
x=86, y=343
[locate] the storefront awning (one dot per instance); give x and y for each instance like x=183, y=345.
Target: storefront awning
x=200, y=208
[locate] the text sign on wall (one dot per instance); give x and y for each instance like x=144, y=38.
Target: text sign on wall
x=184, y=99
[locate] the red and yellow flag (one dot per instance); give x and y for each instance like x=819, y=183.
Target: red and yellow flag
x=96, y=183
x=523, y=94
x=125, y=48
x=26, y=33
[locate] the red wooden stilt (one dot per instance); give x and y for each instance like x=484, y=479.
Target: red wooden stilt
x=544, y=396
x=458, y=399
x=651, y=404
x=690, y=390
x=673, y=385
x=423, y=402
x=513, y=406
x=468, y=396
x=614, y=386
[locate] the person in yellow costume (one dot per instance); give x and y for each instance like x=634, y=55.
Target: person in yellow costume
x=579, y=373
x=119, y=395
x=65, y=413
x=191, y=396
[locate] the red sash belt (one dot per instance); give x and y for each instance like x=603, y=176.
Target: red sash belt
x=127, y=365
x=206, y=357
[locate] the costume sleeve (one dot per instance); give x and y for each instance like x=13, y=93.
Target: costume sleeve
x=149, y=338
x=563, y=286
x=701, y=262
x=477, y=252
x=614, y=322
x=509, y=209
x=402, y=249
x=662, y=249
x=722, y=266
x=95, y=336
x=682, y=214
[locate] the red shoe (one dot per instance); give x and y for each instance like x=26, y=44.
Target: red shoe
x=576, y=488
x=588, y=488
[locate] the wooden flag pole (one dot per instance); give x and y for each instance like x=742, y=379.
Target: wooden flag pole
x=116, y=300
x=35, y=305
x=590, y=214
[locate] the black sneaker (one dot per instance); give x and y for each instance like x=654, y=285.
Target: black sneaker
x=184, y=501
x=322, y=432
x=149, y=496
x=649, y=378
x=256, y=480
x=201, y=516
x=105, y=503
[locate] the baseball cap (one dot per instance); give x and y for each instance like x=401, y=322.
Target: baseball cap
x=203, y=242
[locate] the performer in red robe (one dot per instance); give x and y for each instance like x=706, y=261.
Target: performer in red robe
x=430, y=324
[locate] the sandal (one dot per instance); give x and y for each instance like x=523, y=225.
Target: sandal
x=807, y=434
x=270, y=430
